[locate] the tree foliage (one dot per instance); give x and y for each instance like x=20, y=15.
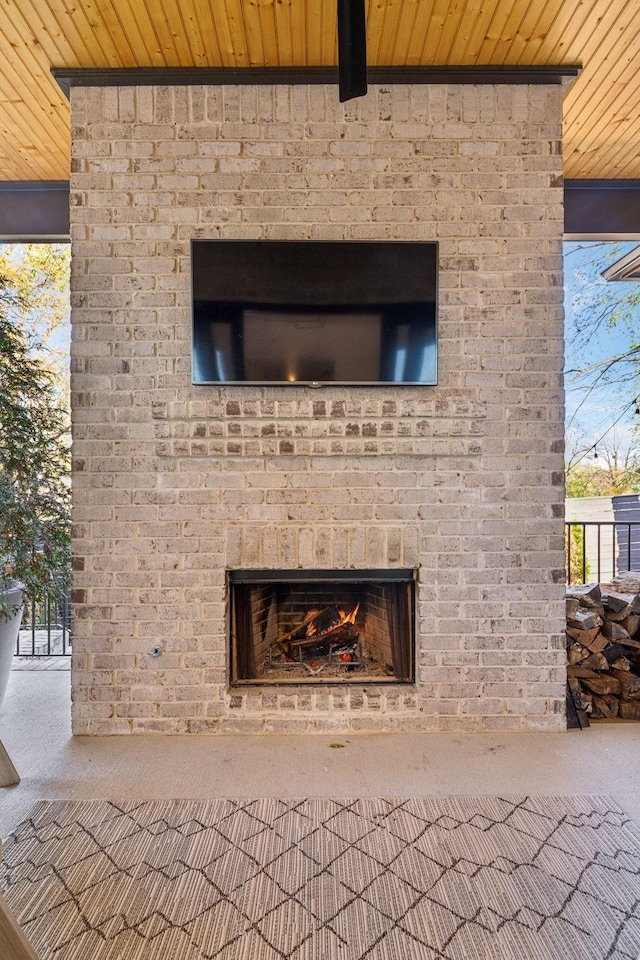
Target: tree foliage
x=36, y=287
x=598, y=306
x=594, y=481
x=34, y=457
x=608, y=470
x=602, y=381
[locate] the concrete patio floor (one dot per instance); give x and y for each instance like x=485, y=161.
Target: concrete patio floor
x=35, y=729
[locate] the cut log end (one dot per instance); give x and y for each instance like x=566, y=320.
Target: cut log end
x=603, y=651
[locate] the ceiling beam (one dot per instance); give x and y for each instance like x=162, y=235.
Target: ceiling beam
x=167, y=76
x=602, y=209
x=594, y=210
x=352, y=49
x=34, y=210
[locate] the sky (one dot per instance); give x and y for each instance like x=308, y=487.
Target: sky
x=593, y=404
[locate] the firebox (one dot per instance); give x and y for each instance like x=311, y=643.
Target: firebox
x=321, y=626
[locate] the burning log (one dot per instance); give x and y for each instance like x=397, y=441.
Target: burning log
x=324, y=638
x=321, y=623
x=344, y=633
x=321, y=627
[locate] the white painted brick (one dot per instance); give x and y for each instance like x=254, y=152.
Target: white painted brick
x=174, y=487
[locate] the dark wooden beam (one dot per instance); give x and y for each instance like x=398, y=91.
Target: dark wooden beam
x=352, y=49
x=166, y=76
x=594, y=209
x=34, y=210
x=602, y=209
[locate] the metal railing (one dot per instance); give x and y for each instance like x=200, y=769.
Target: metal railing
x=46, y=628
x=599, y=550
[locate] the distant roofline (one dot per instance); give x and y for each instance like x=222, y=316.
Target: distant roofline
x=626, y=268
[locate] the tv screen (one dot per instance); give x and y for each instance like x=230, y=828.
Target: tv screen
x=314, y=312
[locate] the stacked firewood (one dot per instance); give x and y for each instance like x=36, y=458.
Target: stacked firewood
x=603, y=650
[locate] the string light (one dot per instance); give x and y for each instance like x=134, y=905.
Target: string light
x=594, y=448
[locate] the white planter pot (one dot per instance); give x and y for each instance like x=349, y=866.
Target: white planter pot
x=9, y=627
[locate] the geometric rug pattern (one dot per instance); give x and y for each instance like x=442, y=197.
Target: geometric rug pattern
x=459, y=878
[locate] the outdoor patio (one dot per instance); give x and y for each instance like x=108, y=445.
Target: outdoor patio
x=605, y=759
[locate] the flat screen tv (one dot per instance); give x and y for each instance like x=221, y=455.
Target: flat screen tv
x=314, y=313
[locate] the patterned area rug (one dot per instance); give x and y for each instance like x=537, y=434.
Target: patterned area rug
x=456, y=879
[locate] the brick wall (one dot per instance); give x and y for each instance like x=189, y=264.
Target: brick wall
x=173, y=484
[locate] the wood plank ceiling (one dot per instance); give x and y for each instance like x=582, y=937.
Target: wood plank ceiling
x=602, y=107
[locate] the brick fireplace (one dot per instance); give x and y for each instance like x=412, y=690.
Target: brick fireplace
x=176, y=485
x=321, y=626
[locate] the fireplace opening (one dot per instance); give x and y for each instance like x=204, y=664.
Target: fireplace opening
x=322, y=626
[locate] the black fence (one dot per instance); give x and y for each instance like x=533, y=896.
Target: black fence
x=598, y=550
x=46, y=628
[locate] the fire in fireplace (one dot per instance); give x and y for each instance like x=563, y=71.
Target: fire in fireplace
x=321, y=626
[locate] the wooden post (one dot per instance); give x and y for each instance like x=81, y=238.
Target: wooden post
x=13, y=943
x=8, y=773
